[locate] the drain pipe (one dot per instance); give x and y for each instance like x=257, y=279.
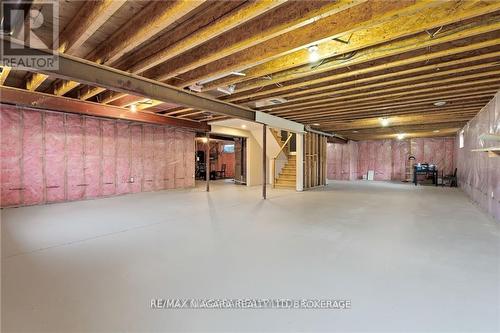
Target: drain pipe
x=330, y=135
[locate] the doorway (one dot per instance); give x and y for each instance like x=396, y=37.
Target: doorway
x=226, y=159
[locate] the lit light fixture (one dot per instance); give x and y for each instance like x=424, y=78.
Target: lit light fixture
x=238, y=73
x=204, y=140
x=439, y=103
x=384, y=122
x=435, y=131
x=313, y=53
x=401, y=136
x=316, y=124
x=243, y=126
x=355, y=131
x=133, y=108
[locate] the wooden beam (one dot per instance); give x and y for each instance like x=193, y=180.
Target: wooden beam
x=387, y=105
x=62, y=87
x=427, y=108
x=156, y=16
x=413, y=119
x=356, y=85
x=430, y=130
x=91, y=16
x=64, y=104
x=35, y=80
x=470, y=106
x=91, y=73
x=400, y=97
x=243, y=14
x=110, y=96
x=88, y=92
x=441, y=82
x=284, y=89
x=283, y=20
x=365, y=15
x=4, y=73
x=152, y=19
x=400, y=26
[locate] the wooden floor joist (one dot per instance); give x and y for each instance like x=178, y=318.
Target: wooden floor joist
x=340, y=65
x=405, y=25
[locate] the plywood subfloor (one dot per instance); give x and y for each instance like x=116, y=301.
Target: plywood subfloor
x=409, y=259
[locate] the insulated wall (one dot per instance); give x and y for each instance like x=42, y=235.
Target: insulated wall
x=479, y=174
x=388, y=158
x=53, y=157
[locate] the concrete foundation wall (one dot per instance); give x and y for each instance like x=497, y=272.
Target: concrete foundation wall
x=479, y=174
x=388, y=158
x=53, y=157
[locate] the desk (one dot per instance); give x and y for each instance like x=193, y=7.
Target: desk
x=425, y=169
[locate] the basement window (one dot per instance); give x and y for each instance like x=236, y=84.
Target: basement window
x=228, y=149
x=461, y=139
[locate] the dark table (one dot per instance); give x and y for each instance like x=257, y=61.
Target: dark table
x=425, y=169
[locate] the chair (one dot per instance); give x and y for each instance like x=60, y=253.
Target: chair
x=222, y=172
x=452, y=179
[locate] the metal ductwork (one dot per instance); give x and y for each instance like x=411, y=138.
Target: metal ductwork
x=329, y=135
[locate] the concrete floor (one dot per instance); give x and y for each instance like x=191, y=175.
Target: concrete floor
x=410, y=259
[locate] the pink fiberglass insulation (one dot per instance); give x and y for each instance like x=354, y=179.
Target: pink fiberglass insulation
x=32, y=160
x=108, y=157
x=479, y=174
x=189, y=160
x=159, y=158
x=148, y=160
x=342, y=161
x=53, y=157
x=179, y=159
x=92, y=165
x=170, y=160
x=387, y=158
x=11, y=187
x=136, y=158
x=122, y=157
x=75, y=162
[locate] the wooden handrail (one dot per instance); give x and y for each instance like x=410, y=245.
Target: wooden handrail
x=275, y=157
x=284, y=145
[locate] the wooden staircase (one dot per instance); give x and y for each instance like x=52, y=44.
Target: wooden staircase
x=288, y=175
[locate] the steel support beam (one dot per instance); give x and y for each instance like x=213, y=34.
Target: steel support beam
x=93, y=74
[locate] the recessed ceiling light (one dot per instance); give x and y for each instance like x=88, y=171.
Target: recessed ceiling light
x=439, y=103
x=355, y=131
x=384, y=121
x=133, y=108
x=313, y=53
x=243, y=126
x=316, y=124
x=436, y=131
x=401, y=136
